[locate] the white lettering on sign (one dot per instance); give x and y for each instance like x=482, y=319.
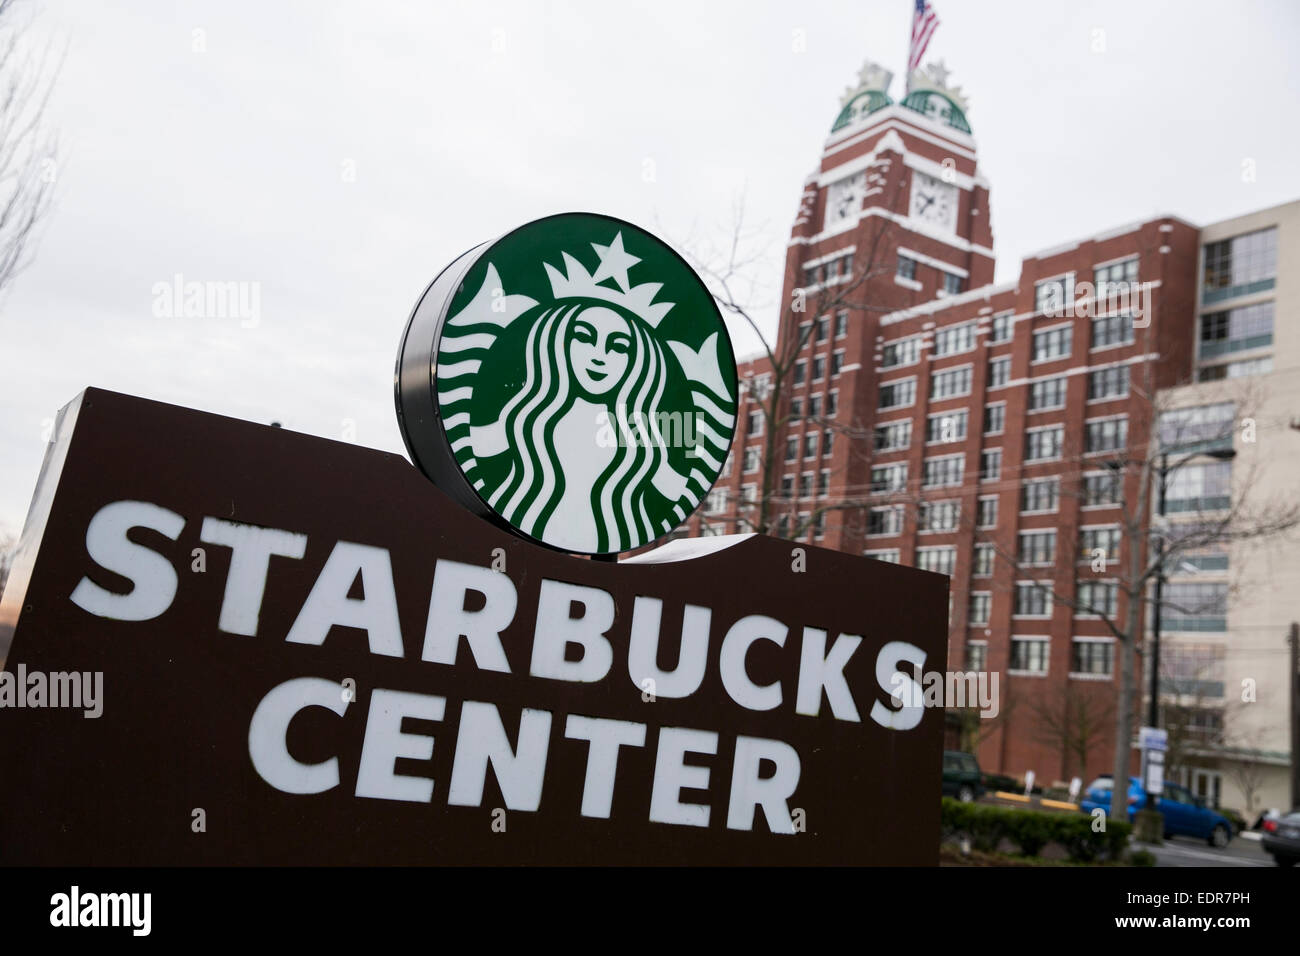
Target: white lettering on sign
x=570, y=641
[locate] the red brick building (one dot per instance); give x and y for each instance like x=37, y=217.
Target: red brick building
x=939, y=420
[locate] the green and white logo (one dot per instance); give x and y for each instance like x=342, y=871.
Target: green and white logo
x=585, y=383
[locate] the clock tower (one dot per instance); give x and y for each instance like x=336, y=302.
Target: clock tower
x=896, y=215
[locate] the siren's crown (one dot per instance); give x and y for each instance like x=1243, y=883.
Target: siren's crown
x=577, y=283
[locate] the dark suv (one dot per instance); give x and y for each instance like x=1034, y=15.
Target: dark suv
x=961, y=776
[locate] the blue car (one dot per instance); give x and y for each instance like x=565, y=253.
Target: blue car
x=1185, y=814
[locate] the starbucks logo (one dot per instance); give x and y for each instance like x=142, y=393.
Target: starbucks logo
x=572, y=379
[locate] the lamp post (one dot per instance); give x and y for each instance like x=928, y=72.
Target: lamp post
x=1153, y=710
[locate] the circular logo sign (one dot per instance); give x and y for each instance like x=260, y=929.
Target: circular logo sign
x=573, y=380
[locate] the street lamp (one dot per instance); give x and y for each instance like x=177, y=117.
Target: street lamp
x=1153, y=712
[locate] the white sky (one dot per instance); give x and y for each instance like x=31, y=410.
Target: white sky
x=464, y=120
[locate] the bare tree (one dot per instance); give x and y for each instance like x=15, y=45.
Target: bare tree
x=1074, y=722
x=1116, y=578
x=8, y=544
x=28, y=148
x=731, y=273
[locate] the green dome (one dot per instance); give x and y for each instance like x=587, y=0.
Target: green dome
x=861, y=105
x=938, y=107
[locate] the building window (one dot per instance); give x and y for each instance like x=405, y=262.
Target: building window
x=1029, y=655
x=1115, y=277
x=951, y=283
x=791, y=449
x=943, y=472
x=819, y=368
x=897, y=394
x=821, y=329
x=1039, y=495
x=982, y=561
x=939, y=560
x=810, y=445
x=837, y=362
x=950, y=383
x=1240, y=265
x=800, y=372
x=991, y=464
x=885, y=520
x=987, y=515
x=1100, y=489
x=1097, y=599
x=995, y=418
x=1237, y=330
x=726, y=465
x=902, y=352
x=977, y=655
x=815, y=406
x=805, y=484
x=1051, y=344
x=939, y=515
x=749, y=494
x=828, y=441
x=906, y=267
x=1105, y=434
x=715, y=501
x=888, y=555
x=889, y=477
x=823, y=482
x=752, y=458
x=819, y=524
x=1099, y=543
x=1001, y=329
x=1215, y=373
x=796, y=408
x=1192, y=670
x=1112, y=330
x=892, y=436
x=1051, y=296
x=954, y=339
x=946, y=426
x=832, y=403
x=1201, y=428
x=1032, y=600
x=1195, y=606
x=1044, y=444
x=1108, y=383
x=980, y=604
x=1204, y=486
x=1037, y=548
x=1092, y=657
x=1047, y=394
x=787, y=486
x=999, y=371
x=754, y=424
x=841, y=323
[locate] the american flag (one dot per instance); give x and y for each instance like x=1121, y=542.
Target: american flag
x=924, y=23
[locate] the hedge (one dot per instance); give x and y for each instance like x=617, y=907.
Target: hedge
x=1031, y=830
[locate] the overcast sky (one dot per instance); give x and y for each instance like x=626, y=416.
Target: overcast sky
x=339, y=154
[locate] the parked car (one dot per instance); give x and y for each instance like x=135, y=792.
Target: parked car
x=1185, y=814
x=961, y=776
x=1281, y=837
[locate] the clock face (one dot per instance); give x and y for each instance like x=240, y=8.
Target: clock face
x=844, y=200
x=934, y=202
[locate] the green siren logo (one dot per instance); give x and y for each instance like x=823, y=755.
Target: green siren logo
x=584, y=383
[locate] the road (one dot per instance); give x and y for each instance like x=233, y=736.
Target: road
x=1185, y=851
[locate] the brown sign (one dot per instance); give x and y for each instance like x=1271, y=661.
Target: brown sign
x=227, y=643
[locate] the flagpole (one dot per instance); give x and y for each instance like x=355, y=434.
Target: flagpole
x=907, y=61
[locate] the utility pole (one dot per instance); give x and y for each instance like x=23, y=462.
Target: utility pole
x=1294, y=673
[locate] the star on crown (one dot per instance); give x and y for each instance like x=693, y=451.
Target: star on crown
x=577, y=282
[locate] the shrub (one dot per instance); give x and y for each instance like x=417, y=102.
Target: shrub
x=1032, y=830
x=1142, y=858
